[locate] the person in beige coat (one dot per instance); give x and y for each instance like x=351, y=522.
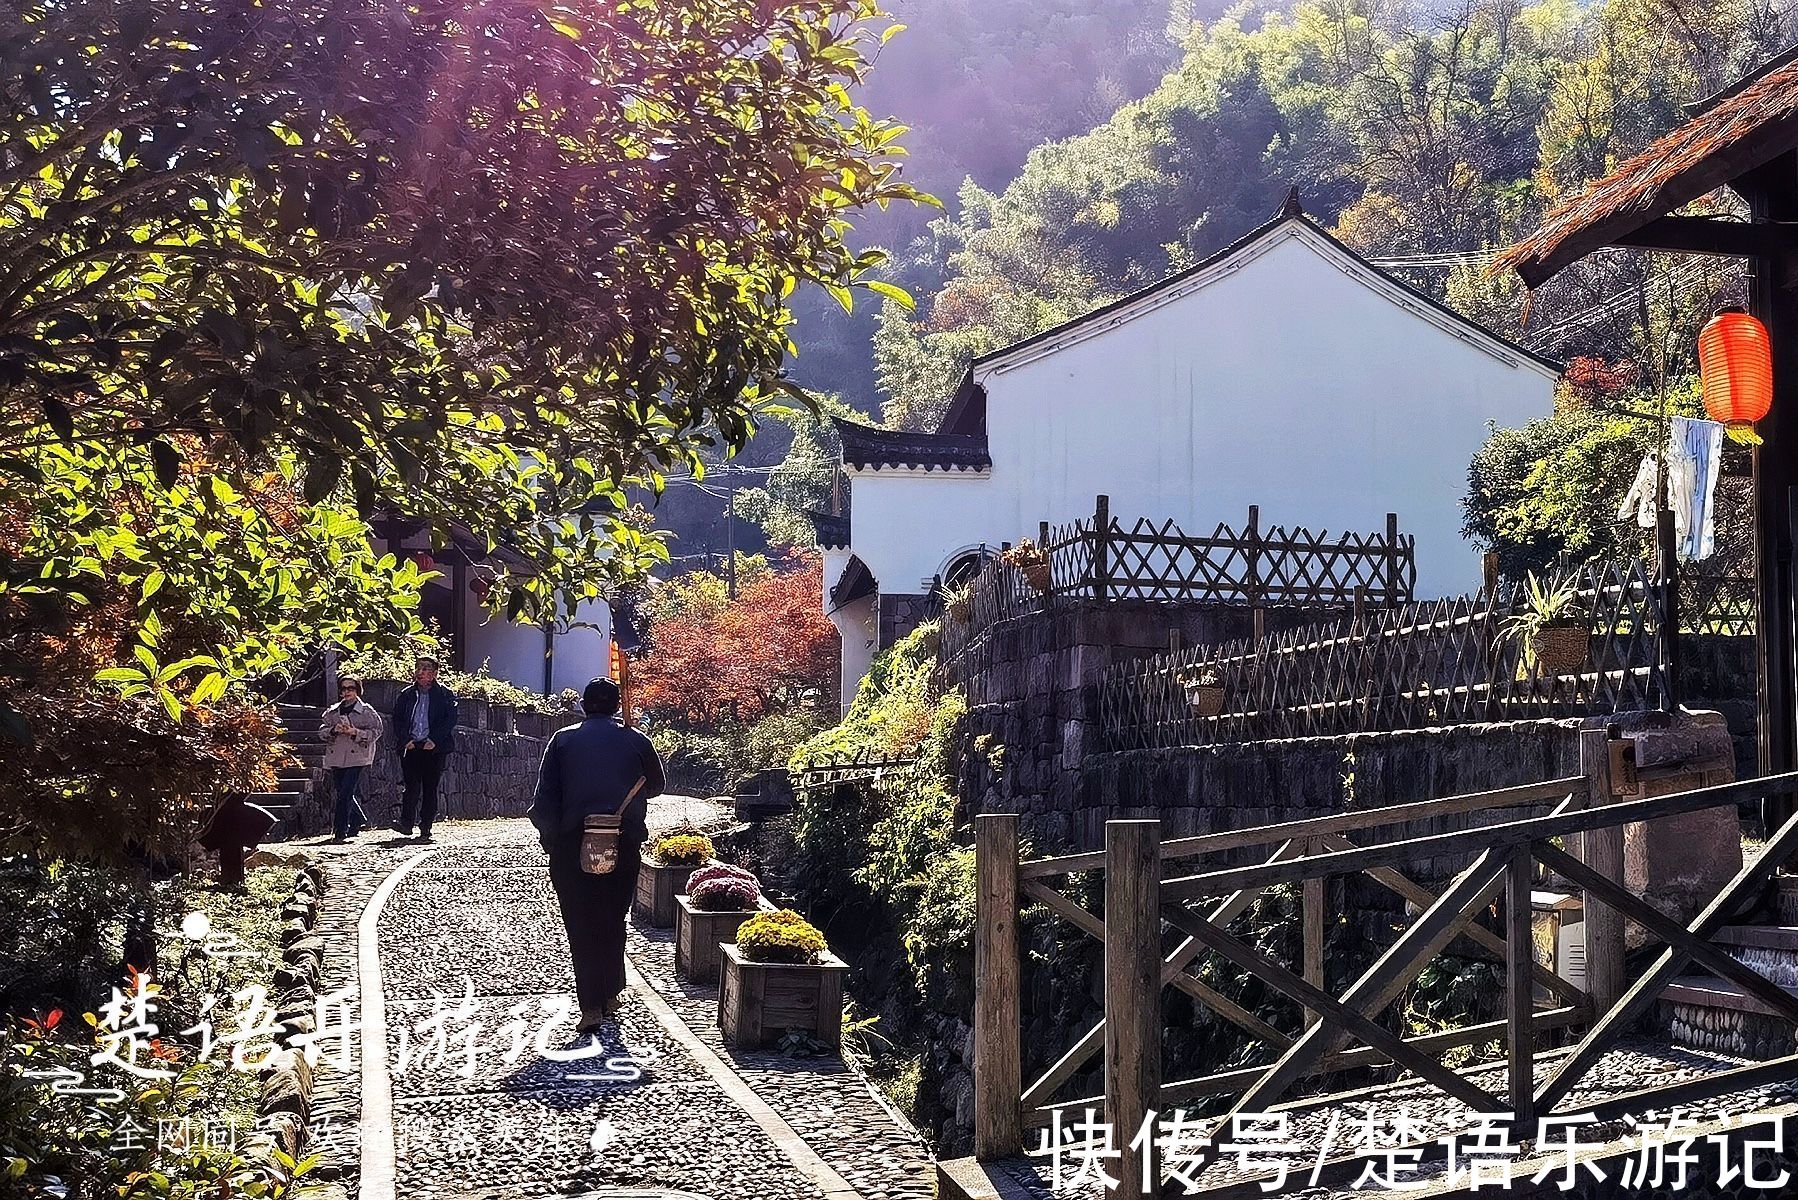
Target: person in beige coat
x=350, y=730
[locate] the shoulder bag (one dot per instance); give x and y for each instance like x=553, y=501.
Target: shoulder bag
x=599, y=840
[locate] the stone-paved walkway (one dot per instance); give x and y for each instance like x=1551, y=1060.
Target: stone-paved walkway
x=470, y=929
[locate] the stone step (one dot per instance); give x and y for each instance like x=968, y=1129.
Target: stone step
x=1707, y=1013
x=1788, y=900
x=1770, y=949
x=273, y=800
x=297, y=713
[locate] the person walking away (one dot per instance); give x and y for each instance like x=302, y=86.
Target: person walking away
x=350, y=731
x=424, y=723
x=596, y=769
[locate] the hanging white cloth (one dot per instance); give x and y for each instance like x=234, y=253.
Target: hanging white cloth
x=1639, y=500
x=1693, y=455
x=1702, y=445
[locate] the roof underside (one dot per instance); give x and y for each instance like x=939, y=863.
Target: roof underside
x=867, y=448
x=1741, y=130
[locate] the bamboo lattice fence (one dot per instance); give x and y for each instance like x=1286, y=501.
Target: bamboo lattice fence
x=1256, y=567
x=1420, y=664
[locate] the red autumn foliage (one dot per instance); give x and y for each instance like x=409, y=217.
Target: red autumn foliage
x=1594, y=379
x=754, y=655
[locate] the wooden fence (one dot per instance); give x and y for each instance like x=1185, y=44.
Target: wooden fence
x=1588, y=818
x=831, y=770
x=1255, y=567
x=1418, y=665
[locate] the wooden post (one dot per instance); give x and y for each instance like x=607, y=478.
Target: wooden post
x=1133, y=997
x=1520, y=1001
x=1312, y=913
x=998, y=1062
x=1101, y=547
x=1252, y=536
x=1394, y=565
x=1602, y=850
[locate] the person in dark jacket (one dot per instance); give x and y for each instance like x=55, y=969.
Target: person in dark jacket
x=424, y=732
x=591, y=769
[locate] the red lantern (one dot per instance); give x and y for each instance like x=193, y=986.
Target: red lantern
x=424, y=561
x=480, y=587
x=1735, y=357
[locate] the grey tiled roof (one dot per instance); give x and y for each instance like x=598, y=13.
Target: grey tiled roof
x=868, y=448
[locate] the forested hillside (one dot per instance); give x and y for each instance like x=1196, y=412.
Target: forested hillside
x=1427, y=136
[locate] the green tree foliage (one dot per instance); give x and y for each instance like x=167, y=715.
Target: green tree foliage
x=802, y=481
x=1549, y=492
x=980, y=83
x=1424, y=137
x=267, y=269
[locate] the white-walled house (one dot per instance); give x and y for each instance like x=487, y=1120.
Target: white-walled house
x=527, y=656
x=1285, y=372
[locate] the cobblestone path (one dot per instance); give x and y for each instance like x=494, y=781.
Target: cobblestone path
x=469, y=938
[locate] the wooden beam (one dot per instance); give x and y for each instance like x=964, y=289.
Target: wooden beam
x=1489, y=837
x=1661, y=926
x=1602, y=850
x=1709, y=235
x=1647, y=989
x=1198, y=989
x=1520, y=1000
x=1344, y=1019
x=998, y=1060
x=1367, y=818
x=1423, y=897
x=1133, y=999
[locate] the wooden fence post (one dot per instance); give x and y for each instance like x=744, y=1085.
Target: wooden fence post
x=1520, y=995
x=998, y=1063
x=1602, y=850
x=1133, y=997
x=1394, y=563
x=1312, y=914
x=1101, y=547
x=1252, y=538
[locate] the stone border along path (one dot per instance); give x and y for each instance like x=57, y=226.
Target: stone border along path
x=701, y=1119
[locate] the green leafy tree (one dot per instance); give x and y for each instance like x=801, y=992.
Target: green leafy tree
x=267, y=269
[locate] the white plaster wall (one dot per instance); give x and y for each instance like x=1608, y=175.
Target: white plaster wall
x=1286, y=382
x=515, y=652
x=856, y=626
x=584, y=652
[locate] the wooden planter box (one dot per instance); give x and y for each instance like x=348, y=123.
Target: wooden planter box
x=759, y=1002
x=657, y=888
x=696, y=937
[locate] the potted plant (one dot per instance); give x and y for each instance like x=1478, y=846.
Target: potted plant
x=667, y=863
x=1553, y=627
x=1204, y=690
x=780, y=977
x=1032, y=562
x=958, y=602
x=718, y=899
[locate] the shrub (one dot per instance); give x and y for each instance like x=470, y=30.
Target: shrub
x=681, y=849
x=780, y=937
x=718, y=871
x=725, y=893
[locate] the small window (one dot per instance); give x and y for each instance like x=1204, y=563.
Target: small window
x=964, y=567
